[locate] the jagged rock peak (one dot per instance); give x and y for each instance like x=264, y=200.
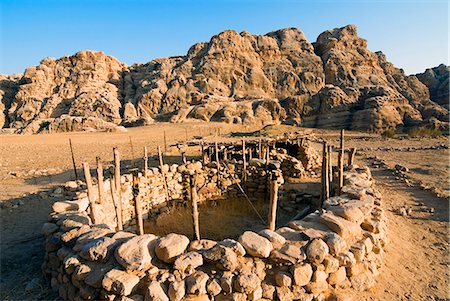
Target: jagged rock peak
x=336, y=82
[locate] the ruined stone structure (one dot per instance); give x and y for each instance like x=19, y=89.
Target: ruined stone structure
x=338, y=245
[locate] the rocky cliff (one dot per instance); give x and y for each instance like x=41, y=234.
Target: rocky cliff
x=335, y=82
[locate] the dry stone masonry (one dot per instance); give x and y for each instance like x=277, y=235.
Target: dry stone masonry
x=338, y=245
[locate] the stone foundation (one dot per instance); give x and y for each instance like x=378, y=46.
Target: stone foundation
x=340, y=245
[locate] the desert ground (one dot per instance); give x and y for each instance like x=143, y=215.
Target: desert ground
x=416, y=262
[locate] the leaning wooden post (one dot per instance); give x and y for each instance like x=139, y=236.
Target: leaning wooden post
x=90, y=190
x=117, y=185
x=341, y=163
x=101, y=189
x=73, y=160
x=161, y=164
x=244, y=162
x=351, y=156
x=137, y=203
x=273, y=190
x=145, y=162
x=194, y=200
x=116, y=205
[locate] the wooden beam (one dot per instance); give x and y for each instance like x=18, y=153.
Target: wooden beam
x=117, y=184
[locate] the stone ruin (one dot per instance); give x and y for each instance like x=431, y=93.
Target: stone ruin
x=96, y=249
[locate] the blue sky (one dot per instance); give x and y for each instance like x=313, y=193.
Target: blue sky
x=413, y=34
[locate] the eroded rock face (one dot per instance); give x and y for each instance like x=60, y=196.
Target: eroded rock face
x=437, y=81
x=234, y=78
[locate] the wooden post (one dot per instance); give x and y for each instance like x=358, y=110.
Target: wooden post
x=117, y=185
x=273, y=190
x=145, y=162
x=341, y=163
x=90, y=190
x=202, y=152
x=218, y=164
x=244, y=162
x=183, y=157
x=115, y=199
x=225, y=154
x=101, y=189
x=165, y=142
x=73, y=160
x=260, y=149
x=132, y=151
x=137, y=203
x=325, y=192
x=330, y=166
x=351, y=156
x=161, y=164
x=194, y=200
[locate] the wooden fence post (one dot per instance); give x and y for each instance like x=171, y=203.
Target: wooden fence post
x=137, y=204
x=90, y=190
x=273, y=191
x=341, y=163
x=194, y=200
x=244, y=162
x=115, y=200
x=145, y=162
x=73, y=160
x=161, y=165
x=351, y=156
x=165, y=142
x=101, y=189
x=117, y=184
x=325, y=192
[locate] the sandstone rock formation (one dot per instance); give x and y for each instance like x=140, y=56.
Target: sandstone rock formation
x=335, y=82
x=437, y=81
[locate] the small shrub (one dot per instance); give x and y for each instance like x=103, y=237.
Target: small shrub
x=389, y=133
x=425, y=132
x=44, y=125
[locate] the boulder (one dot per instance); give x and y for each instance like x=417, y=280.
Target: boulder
x=188, y=262
x=171, y=246
x=255, y=244
x=155, y=292
x=316, y=251
x=136, y=253
x=302, y=273
x=119, y=282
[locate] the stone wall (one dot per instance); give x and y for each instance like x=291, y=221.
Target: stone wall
x=340, y=245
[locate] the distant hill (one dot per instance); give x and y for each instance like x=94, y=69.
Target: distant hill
x=280, y=77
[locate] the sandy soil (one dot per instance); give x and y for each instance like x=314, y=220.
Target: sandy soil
x=416, y=263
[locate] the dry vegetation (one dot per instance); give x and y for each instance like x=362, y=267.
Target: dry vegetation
x=417, y=259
